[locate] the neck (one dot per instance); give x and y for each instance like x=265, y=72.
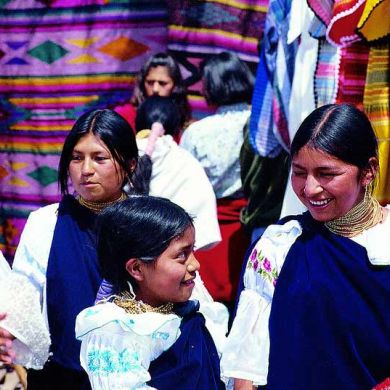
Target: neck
x=97, y=207
x=363, y=216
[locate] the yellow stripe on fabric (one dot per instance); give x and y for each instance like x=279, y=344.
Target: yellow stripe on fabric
x=375, y=20
x=222, y=33
x=63, y=80
x=239, y=5
x=24, y=147
x=64, y=99
x=376, y=103
x=41, y=127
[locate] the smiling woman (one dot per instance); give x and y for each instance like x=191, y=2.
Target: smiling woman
x=314, y=311
x=55, y=272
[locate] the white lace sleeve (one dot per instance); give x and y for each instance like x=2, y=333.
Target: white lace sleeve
x=245, y=355
x=22, y=293
x=215, y=313
x=117, y=348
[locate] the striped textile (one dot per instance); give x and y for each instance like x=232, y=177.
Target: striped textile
x=375, y=20
x=55, y=63
x=197, y=29
x=326, y=73
x=377, y=106
x=352, y=74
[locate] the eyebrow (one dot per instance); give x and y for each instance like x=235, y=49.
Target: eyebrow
x=323, y=168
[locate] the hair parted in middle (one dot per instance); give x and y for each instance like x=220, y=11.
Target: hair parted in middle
x=226, y=79
x=113, y=130
x=139, y=227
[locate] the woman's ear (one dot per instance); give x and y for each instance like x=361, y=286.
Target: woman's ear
x=369, y=173
x=134, y=268
x=133, y=164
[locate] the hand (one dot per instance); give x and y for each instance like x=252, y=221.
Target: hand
x=7, y=355
x=243, y=384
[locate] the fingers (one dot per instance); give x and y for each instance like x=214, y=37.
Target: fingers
x=6, y=352
x=2, y=316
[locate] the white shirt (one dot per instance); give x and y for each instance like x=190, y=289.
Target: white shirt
x=215, y=141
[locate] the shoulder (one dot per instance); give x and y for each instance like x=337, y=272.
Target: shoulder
x=267, y=256
x=108, y=314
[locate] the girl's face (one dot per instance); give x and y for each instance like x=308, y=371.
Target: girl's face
x=171, y=277
x=158, y=82
x=327, y=186
x=94, y=173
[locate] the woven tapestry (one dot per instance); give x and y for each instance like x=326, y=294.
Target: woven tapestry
x=57, y=60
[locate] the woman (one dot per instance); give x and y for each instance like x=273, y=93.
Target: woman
x=55, y=273
x=175, y=174
x=161, y=76
x=314, y=311
x=215, y=141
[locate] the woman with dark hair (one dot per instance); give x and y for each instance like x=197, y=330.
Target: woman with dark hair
x=149, y=334
x=159, y=76
x=314, y=313
x=215, y=141
x=174, y=173
x=55, y=272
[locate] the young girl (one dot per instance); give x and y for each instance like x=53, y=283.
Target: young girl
x=149, y=334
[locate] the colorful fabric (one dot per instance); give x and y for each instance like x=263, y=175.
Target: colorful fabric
x=55, y=63
x=341, y=29
x=268, y=126
x=374, y=22
x=352, y=74
x=377, y=106
x=326, y=74
x=197, y=29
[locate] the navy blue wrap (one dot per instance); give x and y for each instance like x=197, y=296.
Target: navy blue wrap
x=73, y=278
x=330, y=316
x=192, y=362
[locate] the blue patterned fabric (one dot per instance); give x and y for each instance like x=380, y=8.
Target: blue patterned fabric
x=330, y=316
x=192, y=362
x=72, y=278
x=268, y=127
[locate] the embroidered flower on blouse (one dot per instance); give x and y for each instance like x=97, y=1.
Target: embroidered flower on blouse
x=108, y=362
x=261, y=265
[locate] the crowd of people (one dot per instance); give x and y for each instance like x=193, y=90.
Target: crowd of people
x=143, y=276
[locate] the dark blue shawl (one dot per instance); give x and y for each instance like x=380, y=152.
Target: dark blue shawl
x=192, y=362
x=330, y=317
x=72, y=278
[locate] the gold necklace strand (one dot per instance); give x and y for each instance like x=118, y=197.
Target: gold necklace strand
x=363, y=216
x=97, y=207
x=132, y=306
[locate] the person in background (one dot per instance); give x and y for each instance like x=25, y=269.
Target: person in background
x=149, y=335
x=55, y=272
x=215, y=141
x=174, y=173
x=314, y=313
x=159, y=76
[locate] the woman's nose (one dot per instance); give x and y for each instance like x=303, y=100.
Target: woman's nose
x=312, y=187
x=192, y=264
x=87, y=167
x=156, y=88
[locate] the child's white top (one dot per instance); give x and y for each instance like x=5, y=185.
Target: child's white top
x=117, y=347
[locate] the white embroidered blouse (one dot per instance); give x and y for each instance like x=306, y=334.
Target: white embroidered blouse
x=246, y=351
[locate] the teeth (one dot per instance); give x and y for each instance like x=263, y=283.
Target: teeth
x=320, y=202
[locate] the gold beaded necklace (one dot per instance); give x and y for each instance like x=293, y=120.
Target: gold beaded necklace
x=128, y=302
x=97, y=207
x=363, y=216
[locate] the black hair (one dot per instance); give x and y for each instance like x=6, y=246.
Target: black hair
x=139, y=227
x=179, y=92
x=226, y=79
x=340, y=130
x=112, y=129
x=158, y=109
